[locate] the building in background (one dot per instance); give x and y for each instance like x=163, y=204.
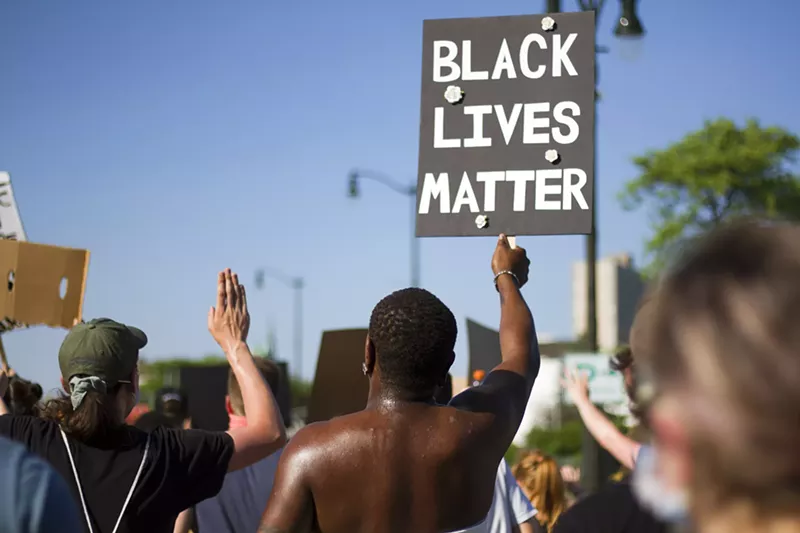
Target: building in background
x=619, y=289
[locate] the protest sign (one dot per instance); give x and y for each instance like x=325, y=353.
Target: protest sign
x=10, y=221
x=484, y=349
x=42, y=284
x=340, y=388
x=605, y=385
x=507, y=126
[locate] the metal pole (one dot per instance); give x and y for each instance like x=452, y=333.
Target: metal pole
x=415, y=267
x=591, y=468
x=298, y=327
x=591, y=246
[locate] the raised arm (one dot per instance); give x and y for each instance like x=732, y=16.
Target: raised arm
x=623, y=448
x=506, y=389
x=229, y=323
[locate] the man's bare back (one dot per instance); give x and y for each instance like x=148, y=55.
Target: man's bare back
x=405, y=464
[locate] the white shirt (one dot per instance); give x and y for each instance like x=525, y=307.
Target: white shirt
x=509, y=506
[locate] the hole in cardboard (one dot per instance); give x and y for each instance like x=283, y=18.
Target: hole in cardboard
x=10, y=280
x=62, y=288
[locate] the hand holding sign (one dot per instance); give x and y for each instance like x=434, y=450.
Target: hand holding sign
x=3, y=383
x=577, y=385
x=511, y=259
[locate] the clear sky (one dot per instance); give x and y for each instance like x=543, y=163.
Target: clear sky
x=173, y=139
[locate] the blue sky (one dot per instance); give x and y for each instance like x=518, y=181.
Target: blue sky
x=173, y=139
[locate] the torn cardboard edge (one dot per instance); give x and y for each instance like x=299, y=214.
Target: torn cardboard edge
x=43, y=284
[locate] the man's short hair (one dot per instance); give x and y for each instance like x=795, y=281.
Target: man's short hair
x=269, y=370
x=414, y=334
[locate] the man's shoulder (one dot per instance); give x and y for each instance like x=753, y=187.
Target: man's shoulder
x=331, y=429
x=314, y=436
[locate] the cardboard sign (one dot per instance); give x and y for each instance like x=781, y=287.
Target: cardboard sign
x=501, y=98
x=10, y=221
x=41, y=284
x=340, y=388
x=605, y=385
x=484, y=349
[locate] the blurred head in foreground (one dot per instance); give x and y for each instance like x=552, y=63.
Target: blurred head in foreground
x=721, y=354
x=540, y=478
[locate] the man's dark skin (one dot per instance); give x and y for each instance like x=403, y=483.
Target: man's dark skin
x=405, y=464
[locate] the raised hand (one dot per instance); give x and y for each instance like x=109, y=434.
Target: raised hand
x=510, y=259
x=570, y=474
x=576, y=384
x=229, y=321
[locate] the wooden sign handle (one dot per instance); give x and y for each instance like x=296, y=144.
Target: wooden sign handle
x=512, y=241
x=3, y=358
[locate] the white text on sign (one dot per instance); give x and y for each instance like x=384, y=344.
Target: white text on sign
x=445, y=53
x=535, y=129
x=554, y=189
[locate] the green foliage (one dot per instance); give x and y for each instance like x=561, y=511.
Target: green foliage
x=511, y=454
x=717, y=173
x=164, y=372
x=563, y=442
x=301, y=392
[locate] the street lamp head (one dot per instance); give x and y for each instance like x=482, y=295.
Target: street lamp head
x=352, y=184
x=553, y=6
x=629, y=25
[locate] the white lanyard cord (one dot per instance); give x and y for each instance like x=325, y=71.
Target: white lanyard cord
x=80, y=490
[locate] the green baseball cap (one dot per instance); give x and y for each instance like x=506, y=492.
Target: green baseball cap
x=102, y=348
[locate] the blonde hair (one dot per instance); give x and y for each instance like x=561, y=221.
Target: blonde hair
x=540, y=478
x=723, y=348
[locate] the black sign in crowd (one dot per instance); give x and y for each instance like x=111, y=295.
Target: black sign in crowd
x=507, y=120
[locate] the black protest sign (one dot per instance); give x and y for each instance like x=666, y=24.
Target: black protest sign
x=507, y=126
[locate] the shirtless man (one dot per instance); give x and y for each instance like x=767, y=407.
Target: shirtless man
x=405, y=464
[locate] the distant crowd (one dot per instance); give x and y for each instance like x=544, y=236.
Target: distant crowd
x=712, y=373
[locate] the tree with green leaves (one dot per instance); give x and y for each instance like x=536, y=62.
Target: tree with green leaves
x=720, y=172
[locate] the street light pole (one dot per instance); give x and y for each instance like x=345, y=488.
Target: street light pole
x=408, y=190
x=297, y=284
x=627, y=26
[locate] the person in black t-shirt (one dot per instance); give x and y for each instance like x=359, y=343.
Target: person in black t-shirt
x=124, y=479
x=613, y=509
x=153, y=420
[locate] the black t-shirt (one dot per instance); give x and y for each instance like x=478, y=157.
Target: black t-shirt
x=183, y=467
x=613, y=509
